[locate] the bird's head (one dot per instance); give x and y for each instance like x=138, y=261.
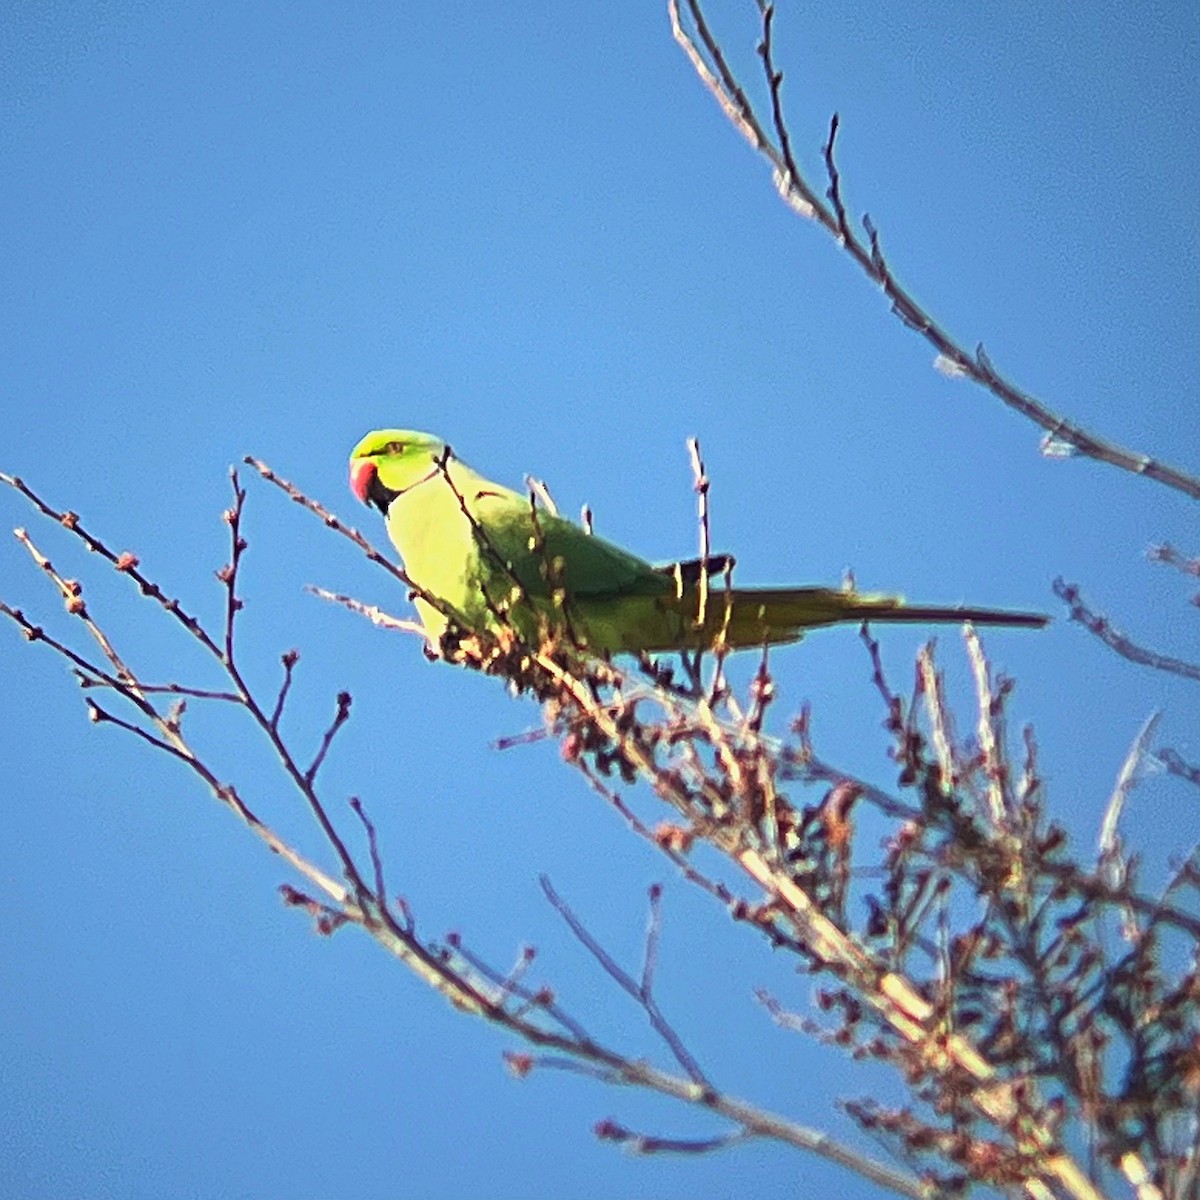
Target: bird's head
x=390, y=461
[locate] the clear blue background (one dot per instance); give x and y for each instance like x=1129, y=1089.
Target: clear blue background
x=270, y=228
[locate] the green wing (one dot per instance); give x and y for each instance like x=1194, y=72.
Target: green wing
x=543, y=550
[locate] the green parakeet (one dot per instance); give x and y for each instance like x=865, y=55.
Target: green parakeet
x=489, y=556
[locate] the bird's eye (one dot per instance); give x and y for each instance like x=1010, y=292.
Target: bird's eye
x=394, y=448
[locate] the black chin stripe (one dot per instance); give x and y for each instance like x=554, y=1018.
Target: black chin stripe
x=379, y=495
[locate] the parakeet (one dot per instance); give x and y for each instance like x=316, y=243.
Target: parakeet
x=487, y=557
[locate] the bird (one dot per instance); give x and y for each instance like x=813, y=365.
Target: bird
x=483, y=557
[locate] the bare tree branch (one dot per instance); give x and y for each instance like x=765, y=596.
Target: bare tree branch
x=1114, y=639
x=1063, y=438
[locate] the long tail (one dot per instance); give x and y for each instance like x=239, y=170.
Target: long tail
x=752, y=616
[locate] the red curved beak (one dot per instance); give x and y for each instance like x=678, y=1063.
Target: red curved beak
x=362, y=471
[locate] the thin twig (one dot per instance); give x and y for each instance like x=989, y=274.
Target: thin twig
x=990, y=729
x=360, y=811
x=645, y=1143
x=1176, y=764
x=642, y=994
x=1188, y=564
x=1114, y=639
x=288, y=658
x=1126, y=779
x=339, y=719
x=377, y=616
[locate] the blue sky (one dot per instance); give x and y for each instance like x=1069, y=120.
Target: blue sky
x=267, y=229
